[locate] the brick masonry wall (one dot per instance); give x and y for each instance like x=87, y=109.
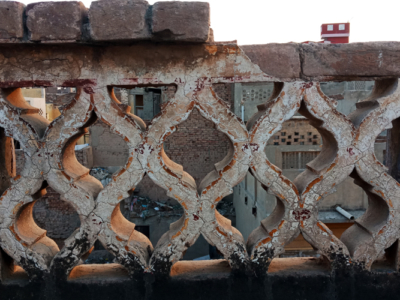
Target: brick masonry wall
x=56, y=216
x=224, y=91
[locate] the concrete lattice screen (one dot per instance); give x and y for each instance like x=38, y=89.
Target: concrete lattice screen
x=348, y=144
x=193, y=65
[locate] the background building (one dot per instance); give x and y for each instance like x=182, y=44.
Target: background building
x=335, y=33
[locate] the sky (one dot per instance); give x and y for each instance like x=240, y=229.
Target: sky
x=282, y=21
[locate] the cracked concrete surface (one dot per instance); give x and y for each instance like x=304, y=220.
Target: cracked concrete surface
x=49, y=151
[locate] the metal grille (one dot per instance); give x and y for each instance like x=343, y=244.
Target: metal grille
x=157, y=104
x=360, y=85
x=255, y=94
x=356, y=86
x=351, y=86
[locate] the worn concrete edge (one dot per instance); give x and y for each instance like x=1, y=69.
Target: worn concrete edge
x=327, y=62
x=308, y=63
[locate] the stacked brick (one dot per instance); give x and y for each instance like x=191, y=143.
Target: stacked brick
x=104, y=21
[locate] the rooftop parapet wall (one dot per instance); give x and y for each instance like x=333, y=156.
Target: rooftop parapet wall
x=193, y=68
x=282, y=62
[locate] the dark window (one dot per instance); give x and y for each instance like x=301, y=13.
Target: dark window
x=309, y=133
x=139, y=106
x=310, y=140
x=254, y=211
x=17, y=145
x=289, y=137
x=276, y=143
x=288, y=143
x=276, y=137
x=296, y=133
x=245, y=200
x=283, y=133
x=283, y=140
x=296, y=140
x=139, y=100
x=315, y=143
x=145, y=229
x=315, y=136
x=302, y=136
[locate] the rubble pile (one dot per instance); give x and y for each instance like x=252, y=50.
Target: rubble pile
x=101, y=174
x=143, y=207
x=226, y=208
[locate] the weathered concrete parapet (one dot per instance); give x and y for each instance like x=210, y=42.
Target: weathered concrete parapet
x=280, y=60
x=11, y=20
x=355, y=61
x=193, y=68
x=181, y=21
x=363, y=59
x=55, y=21
x=119, y=20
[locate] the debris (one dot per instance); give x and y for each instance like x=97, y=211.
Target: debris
x=102, y=174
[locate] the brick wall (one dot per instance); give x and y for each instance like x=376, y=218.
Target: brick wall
x=224, y=91
x=197, y=146
x=56, y=216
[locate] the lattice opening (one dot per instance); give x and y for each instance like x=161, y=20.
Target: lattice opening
x=212, y=149
x=29, y=113
x=126, y=229
x=346, y=94
x=270, y=212
x=58, y=218
x=154, y=215
x=8, y=168
x=11, y=273
x=197, y=146
x=35, y=237
x=388, y=261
